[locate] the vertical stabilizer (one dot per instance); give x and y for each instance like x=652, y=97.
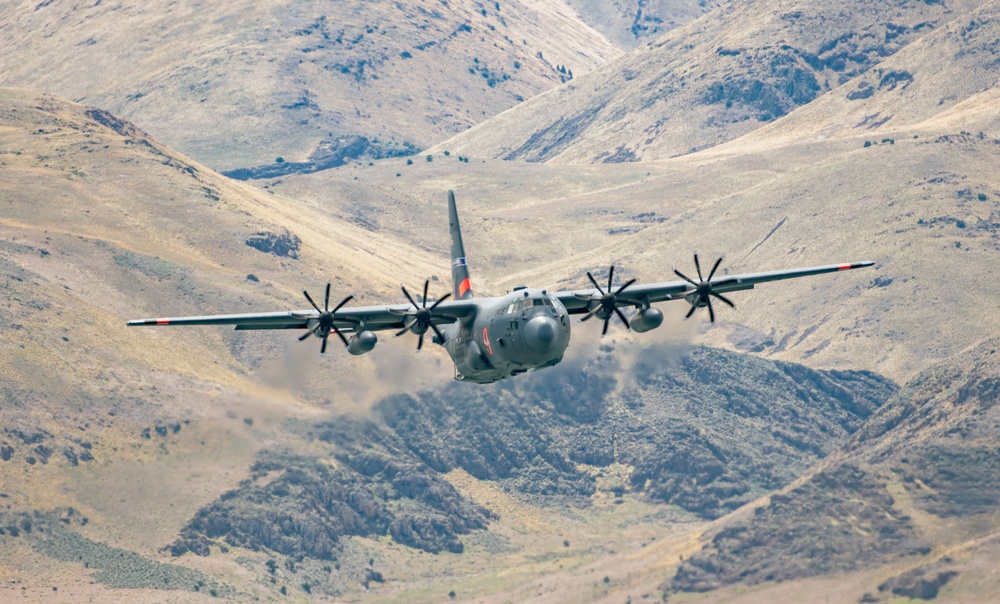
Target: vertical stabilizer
x=461, y=286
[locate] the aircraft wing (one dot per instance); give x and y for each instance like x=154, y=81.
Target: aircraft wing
x=579, y=301
x=347, y=320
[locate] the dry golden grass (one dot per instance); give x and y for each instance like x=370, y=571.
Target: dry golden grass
x=239, y=84
x=663, y=99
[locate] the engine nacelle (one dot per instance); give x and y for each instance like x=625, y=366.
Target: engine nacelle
x=646, y=320
x=361, y=343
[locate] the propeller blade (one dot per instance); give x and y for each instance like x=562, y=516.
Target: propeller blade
x=322, y=348
x=437, y=332
x=606, y=323
x=724, y=299
x=308, y=297
x=407, y=294
x=420, y=341
x=694, y=306
x=326, y=302
x=342, y=302
x=427, y=283
x=697, y=267
x=621, y=316
x=611, y=276
x=591, y=313
x=717, y=262
x=340, y=335
x=622, y=288
x=591, y=277
x=309, y=333
x=711, y=313
x=406, y=327
x=440, y=300
x=685, y=277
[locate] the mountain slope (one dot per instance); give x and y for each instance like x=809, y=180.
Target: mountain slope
x=708, y=82
x=628, y=23
x=925, y=209
x=120, y=447
x=937, y=78
x=915, y=483
x=241, y=84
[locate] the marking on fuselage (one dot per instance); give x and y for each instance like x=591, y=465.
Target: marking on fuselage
x=486, y=341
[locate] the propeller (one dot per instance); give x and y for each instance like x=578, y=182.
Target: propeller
x=420, y=319
x=608, y=301
x=324, y=323
x=703, y=293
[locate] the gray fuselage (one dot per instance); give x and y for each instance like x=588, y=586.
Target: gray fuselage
x=524, y=330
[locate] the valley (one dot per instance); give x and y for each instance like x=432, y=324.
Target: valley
x=832, y=436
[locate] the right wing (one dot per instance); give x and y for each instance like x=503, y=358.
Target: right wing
x=348, y=320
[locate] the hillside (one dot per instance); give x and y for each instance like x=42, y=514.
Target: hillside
x=121, y=449
x=101, y=223
x=920, y=201
x=916, y=484
x=765, y=456
x=729, y=73
x=240, y=84
x=628, y=23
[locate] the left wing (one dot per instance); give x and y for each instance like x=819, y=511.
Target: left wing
x=583, y=300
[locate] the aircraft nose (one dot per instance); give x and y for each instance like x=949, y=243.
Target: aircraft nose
x=540, y=333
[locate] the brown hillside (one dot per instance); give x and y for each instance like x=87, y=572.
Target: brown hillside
x=101, y=224
x=925, y=209
x=119, y=447
x=240, y=84
x=947, y=76
x=915, y=487
x=628, y=23
x=713, y=80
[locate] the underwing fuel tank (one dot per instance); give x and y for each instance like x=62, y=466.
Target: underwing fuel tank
x=646, y=320
x=362, y=343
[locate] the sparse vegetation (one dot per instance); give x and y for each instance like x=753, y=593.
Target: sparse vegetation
x=116, y=568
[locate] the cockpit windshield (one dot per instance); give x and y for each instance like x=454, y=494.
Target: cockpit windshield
x=527, y=303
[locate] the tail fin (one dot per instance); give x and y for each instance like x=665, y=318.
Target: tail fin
x=461, y=286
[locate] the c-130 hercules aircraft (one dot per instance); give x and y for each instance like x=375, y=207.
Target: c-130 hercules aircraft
x=493, y=338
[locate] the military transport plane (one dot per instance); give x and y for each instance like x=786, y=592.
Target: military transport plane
x=498, y=337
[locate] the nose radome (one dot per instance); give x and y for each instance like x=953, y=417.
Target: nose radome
x=540, y=333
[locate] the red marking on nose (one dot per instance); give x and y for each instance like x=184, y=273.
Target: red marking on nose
x=486, y=340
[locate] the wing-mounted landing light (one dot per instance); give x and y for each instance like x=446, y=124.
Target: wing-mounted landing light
x=703, y=292
x=324, y=322
x=421, y=317
x=607, y=301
